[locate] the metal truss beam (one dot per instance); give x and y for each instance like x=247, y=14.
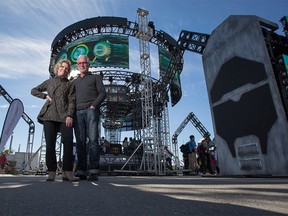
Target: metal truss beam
x=193, y=41
x=196, y=123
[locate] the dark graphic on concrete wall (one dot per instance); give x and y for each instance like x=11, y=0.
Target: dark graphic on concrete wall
x=253, y=114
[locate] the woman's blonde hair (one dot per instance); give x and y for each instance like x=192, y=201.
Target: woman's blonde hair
x=59, y=63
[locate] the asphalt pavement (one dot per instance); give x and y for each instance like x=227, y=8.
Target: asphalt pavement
x=144, y=195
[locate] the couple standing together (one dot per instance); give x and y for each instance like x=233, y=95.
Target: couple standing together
x=71, y=105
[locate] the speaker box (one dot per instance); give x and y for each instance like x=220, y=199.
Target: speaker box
x=250, y=124
x=115, y=149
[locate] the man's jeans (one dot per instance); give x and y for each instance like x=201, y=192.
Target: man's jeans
x=87, y=134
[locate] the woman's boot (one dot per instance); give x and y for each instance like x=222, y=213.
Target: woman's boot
x=51, y=176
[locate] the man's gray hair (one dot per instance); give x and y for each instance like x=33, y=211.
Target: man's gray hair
x=87, y=58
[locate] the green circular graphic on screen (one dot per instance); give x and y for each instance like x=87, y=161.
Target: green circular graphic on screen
x=102, y=49
x=81, y=49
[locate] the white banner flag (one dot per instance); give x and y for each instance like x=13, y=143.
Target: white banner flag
x=13, y=115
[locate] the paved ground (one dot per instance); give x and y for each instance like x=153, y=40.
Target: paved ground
x=144, y=195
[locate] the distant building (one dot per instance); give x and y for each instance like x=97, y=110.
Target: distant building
x=19, y=158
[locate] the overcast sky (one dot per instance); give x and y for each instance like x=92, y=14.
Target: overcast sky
x=28, y=28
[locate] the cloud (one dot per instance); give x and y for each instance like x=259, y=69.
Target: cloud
x=4, y=106
x=34, y=106
x=25, y=37
x=23, y=56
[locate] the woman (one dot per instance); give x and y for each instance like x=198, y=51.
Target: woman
x=57, y=116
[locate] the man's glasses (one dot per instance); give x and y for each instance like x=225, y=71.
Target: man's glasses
x=82, y=63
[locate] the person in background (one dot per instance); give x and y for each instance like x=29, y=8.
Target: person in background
x=3, y=162
x=90, y=93
x=57, y=116
x=125, y=144
x=102, y=145
x=184, y=148
x=59, y=167
x=192, y=154
x=23, y=167
x=169, y=156
x=40, y=168
x=201, y=151
x=131, y=145
x=107, y=146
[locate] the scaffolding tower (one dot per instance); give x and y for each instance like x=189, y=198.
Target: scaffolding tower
x=148, y=125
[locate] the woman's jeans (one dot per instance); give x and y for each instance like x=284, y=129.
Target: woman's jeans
x=51, y=129
x=87, y=139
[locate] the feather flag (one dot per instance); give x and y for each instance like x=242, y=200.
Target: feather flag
x=13, y=115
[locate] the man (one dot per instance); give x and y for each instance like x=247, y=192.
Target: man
x=201, y=151
x=192, y=154
x=90, y=93
x=184, y=148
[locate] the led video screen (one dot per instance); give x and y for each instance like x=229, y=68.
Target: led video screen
x=102, y=50
x=175, y=86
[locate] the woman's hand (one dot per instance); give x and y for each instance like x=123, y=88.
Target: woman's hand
x=48, y=98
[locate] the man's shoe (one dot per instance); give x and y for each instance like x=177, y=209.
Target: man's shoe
x=81, y=177
x=93, y=177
